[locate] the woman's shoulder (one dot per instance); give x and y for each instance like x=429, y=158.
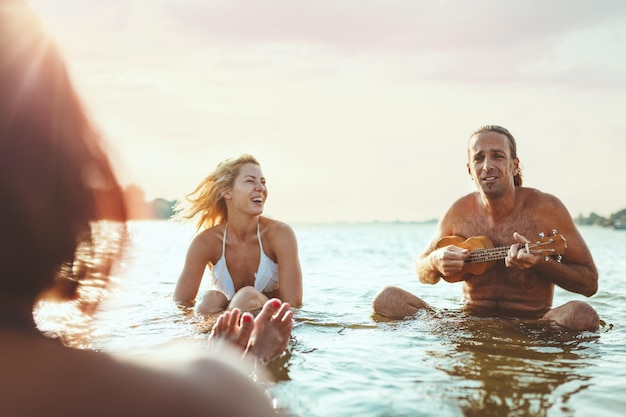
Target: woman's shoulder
x=277, y=234
x=208, y=243
x=188, y=376
x=273, y=226
x=86, y=375
x=211, y=235
x=180, y=378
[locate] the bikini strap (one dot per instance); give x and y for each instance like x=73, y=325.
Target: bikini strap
x=224, y=241
x=258, y=235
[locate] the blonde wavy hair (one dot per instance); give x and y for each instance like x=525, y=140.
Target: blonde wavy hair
x=206, y=202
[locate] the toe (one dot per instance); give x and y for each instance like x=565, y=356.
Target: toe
x=246, y=328
x=269, y=309
x=233, y=319
x=218, y=327
x=284, y=311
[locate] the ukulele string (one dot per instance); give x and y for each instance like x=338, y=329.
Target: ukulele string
x=494, y=254
x=487, y=254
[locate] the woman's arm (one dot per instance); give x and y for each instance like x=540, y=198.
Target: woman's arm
x=198, y=256
x=285, y=246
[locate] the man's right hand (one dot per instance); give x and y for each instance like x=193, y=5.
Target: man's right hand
x=448, y=261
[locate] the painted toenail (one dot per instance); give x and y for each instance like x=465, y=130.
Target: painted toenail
x=275, y=303
x=247, y=318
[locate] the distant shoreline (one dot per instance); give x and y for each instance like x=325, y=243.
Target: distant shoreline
x=161, y=209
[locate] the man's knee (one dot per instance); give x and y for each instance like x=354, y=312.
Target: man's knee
x=575, y=315
x=396, y=303
x=384, y=297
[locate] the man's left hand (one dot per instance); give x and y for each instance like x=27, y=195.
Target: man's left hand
x=518, y=256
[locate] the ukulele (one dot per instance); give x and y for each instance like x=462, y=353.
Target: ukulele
x=483, y=254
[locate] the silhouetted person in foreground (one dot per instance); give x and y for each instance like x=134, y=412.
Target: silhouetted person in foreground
x=62, y=226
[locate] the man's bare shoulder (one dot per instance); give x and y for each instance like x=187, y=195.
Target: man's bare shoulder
x=457, y=214
x=463, y=204
x=540, y=200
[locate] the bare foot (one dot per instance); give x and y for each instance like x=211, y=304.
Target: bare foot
x=272, y=329
x=234, y=327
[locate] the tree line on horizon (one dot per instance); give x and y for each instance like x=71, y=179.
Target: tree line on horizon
x=616, y=220
x=140, y=209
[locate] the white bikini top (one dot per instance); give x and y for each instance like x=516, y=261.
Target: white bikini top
x=265, y=278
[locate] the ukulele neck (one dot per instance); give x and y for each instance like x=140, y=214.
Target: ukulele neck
x=487, y=254
x=552, y=246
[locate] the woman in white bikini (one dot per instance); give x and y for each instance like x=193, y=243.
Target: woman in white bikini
x=250, y=258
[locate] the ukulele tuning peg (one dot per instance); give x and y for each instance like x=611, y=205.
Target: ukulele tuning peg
x=553, y=232
x=559, y=258
x=542, y=235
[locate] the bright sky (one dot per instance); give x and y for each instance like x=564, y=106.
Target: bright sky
x=358, y=110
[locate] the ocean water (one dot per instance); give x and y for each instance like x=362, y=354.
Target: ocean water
x=342, y=361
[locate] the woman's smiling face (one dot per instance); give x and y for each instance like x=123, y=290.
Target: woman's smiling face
x=249, y=191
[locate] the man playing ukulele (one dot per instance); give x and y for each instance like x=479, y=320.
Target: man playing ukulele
x=502, y=211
